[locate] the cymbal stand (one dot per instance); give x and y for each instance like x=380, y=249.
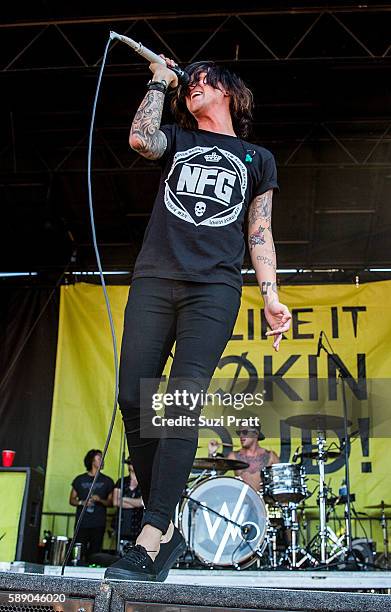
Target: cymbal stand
x=291, y=523
x=343, y=376
x=325, y=532
x=322, y=495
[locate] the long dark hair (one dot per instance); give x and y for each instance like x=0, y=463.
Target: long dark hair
x=89, y=458
x=241, y=98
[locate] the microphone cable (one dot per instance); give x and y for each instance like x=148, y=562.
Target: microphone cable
x=108, y=307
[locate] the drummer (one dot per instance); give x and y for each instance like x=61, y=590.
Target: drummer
x=250, y=452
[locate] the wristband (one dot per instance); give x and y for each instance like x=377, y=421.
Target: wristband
x=157, y=86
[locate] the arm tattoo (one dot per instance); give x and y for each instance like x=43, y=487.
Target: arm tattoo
x=151, y=141
x=266, y=260
x=257, y=237
x=261, y=207
x=269, y=298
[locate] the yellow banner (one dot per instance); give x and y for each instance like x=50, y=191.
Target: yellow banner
x=356, y=320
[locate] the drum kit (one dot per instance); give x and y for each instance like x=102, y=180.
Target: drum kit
x=228, y=524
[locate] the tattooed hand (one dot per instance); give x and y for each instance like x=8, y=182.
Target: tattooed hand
x=163, y=73
x=279, y=319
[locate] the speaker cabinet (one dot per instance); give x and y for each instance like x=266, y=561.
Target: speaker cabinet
x=21, y=492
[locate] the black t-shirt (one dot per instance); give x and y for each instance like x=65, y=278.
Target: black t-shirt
x=131, y=517
x=196, y=227
x=95, y=516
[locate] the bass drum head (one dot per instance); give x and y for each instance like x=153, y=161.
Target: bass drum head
x=214, y=540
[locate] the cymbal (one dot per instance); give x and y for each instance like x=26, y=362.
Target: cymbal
x=318, y=422
x=218, y=464
x=315, y=455
x=379, y=506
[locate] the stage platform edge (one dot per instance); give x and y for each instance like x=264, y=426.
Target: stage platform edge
x=87, y=595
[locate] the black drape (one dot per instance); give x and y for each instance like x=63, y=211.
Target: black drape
x=26, y=391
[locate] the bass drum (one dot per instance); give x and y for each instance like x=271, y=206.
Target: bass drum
x=215, y=540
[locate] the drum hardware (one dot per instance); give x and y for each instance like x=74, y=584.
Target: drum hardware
x=294, y=550
x=219, y=464
x=190, y=529
x=314, y=455
x=326, y=535
x=224, y=522
x=321, y=423
x=283, y=483
x=245, y=530
x=284, y=487
x=272, y=546
x=383, y=524
x=343, y=376
x=193, y=480
x=317, y=422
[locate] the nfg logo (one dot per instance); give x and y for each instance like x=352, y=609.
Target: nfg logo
x=206, y=194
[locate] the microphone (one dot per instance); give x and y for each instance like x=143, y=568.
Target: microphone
x=319, y=344
x=247, y=531
x=149, y=55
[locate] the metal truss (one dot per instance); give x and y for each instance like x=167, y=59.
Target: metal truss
x=353, y=36
x=326, y=133
x=45, y=151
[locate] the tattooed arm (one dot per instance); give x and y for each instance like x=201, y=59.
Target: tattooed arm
x=261, y=245
x=145, y=136
x=263, y=257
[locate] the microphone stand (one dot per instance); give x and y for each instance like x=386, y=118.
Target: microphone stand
x=198, y=504
x=343, y=375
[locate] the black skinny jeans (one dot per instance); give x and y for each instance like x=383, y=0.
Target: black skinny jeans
x=200, y=318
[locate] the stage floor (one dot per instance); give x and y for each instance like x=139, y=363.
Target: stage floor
x=350, y=581
x=199, y=591
x=187, y=591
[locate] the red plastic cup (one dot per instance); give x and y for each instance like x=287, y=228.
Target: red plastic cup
x=8, y=457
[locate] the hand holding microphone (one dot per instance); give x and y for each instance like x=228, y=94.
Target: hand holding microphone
x=164, y=72
x=153, y=58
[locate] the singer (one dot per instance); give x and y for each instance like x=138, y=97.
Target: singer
x=186, y=286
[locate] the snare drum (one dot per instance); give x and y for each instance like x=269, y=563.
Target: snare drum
x=283, y=483
x=214, y=540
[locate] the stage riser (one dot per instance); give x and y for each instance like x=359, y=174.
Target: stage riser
x=101, y=596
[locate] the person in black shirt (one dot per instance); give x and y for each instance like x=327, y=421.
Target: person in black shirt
x=132, y=505
x=93, y=526
x=186, y=286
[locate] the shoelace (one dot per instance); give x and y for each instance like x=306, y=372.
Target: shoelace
x=136, y=554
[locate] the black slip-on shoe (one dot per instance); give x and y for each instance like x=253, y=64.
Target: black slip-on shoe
x=169, y=552
x=136, y=564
